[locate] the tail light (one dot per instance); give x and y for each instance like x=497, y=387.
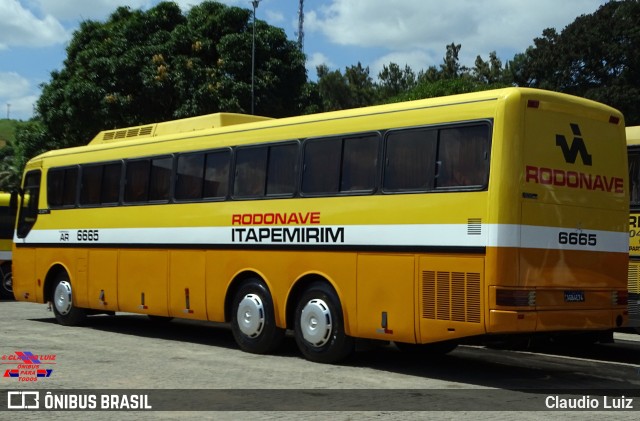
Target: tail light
x=515, y=298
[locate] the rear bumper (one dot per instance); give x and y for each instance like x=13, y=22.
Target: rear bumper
x=502, y=321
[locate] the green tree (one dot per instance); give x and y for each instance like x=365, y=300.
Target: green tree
x=451, y=67
x=394, y=80
x=353, y=89
x=145, y=66
x=491, y=71
x=596, y=56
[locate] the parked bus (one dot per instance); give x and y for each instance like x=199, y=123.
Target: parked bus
x=7, y=225
x=633, y=144
x=423, y=223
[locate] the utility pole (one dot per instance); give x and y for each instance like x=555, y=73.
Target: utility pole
x=300, y=25
x=255, y=4
x=8, y=110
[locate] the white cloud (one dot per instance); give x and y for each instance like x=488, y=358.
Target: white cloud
x=415, y=59
x=16, y=96
x=314, y=60
x=12, y=85
x=20, y=27
x=79, y=10
x=505, y=26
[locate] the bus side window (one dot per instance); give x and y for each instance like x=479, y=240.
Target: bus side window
x=321, y=168
x=160, y=178
x=282, y=169
x=189, y=176
x=250, y=175
x=90, y=184
x=62, y=186
x=216, y=175
x=359, y=163
x=410, y=160
x=137, y=181
x=110, y=188
x=462, y=155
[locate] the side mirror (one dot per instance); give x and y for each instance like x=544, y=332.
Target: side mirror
x=13, y=203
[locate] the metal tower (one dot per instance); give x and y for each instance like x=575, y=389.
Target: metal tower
x=300, y=23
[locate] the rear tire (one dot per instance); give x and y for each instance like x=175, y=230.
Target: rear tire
x=253, y=320
x=319, y=326
x=64, y=310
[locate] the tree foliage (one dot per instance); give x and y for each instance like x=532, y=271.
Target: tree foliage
x=145, y=66
x=595, y=57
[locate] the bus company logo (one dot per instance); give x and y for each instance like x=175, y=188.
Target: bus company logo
x=577, y=147
x=27, y=366
x=575, y=179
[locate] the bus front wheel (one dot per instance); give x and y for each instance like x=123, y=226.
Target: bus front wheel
x=319, y=326
x=65, y=312
x=6, y=281
x=253, y=321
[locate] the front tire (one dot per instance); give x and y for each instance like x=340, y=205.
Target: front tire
x=65, y=312
x=319, y=326
x=253, y=320
x=6, y=281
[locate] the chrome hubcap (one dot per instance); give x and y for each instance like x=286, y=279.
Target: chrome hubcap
x=62, y=297
x=316, y=322
x=250, y=315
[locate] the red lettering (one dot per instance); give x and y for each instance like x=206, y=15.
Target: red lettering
x=573, y=179
x=546, y=176
x=294, y=218
x=532, y=174
x=559, y=178
x=585, y=180
x=597, y=185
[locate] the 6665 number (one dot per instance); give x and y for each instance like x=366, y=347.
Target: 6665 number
x=577, y=238
x=88, y=235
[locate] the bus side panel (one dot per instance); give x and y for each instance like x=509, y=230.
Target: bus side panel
x=385, y=299
x=187, y=284
x=451, y=296
x=25, y=287
x=102, y=290
x=142, y=281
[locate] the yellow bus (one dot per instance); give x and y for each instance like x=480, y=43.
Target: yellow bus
x=7, y=225
x=633, y=144
x=422, y=223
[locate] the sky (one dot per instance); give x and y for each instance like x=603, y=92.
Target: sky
x=34, y=34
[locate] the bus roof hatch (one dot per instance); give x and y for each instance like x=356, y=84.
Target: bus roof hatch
x=183, y=125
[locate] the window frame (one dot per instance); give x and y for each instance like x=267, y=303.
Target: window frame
x=487, y=122
x=343, y=138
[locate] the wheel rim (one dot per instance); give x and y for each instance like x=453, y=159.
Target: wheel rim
x=250, y=315
x=7, y=282
x=316, y=323
x=62, y=297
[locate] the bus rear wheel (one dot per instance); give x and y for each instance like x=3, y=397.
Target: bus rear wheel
x=253, y=320
x=319, y=326
x=65, y=312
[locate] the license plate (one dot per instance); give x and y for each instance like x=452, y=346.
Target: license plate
x=574, y=296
